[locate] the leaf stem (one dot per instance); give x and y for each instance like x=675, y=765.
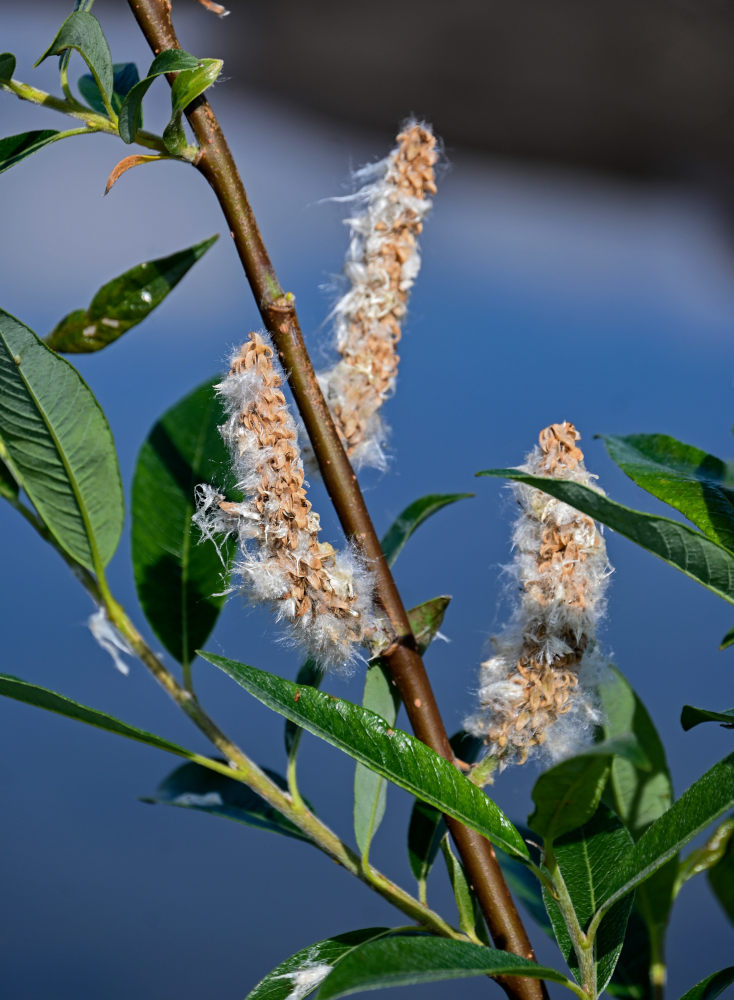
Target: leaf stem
x=277, y=309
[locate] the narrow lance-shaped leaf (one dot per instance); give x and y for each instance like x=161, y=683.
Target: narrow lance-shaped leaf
x=704, y=802
x=462, y=893
x=721, y=876
x=181, y=582
x=192, y=786
x=130, y=115
x=691, y=716
x=407, y=961
x=710, y=987
x=15, y=148
x=567, y=795
x=59, y=446
x=124, y=302
x=640, y=796
x=382, y=697
x=694, y=482
x=706, y=857
x=304, y=972
x=412, y=517
x=390, y=752
x=83, y=32
x=687, y=550
x=51, y=701
x=588, y=859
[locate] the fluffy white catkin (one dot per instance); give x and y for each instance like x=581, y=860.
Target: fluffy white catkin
x=325, y=597
x=540, y=687
x=382, y=264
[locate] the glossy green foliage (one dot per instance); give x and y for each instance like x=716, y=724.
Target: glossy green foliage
x=192, y=786
x=180, y=577
x=40, y=697
x=689, y=551
x=702, y=804
x=412, y=518
x=691, y=716
x=124, y=302
x=390, y=752
x=382, y=697
x=82, y=31
x=588, y=859
x=188, y=85
x=202, y=75
x=15, y=148
x=699, y=485
x=567, y=794
x=710, y=987
x=466, y=905
x=124, y=78
x=59, y=446
x=407, y=961
x=7, y=66
x=306, y=970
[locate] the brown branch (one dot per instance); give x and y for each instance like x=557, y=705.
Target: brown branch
x=279, y=315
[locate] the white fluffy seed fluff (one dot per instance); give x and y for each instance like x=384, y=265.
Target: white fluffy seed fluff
x=540, y=689
x=382, y=263
x=324, y=596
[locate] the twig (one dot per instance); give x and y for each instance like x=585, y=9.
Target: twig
x=279, y=315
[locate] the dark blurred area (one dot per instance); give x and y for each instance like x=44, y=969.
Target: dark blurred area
x=639, y=87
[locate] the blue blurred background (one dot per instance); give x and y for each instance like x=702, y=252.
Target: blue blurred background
x=547, y=293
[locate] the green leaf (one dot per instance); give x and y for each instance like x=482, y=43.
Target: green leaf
x=382, y=697
x=640, y=796
x=687, y=550
x=690, y=717
x=191, y=83
x=83, y=32
x=707, y=799
x=7, y=66
x=59, y=446
x=695, y=483
x=413, y=517
x=130, y=115
x=727, y=640
x=306, y=970
x=427, y=826
x=192, y=786
x=567, y=794
x=124, y=78
x=15, y=148
x=460, y=887
x=40, y=697
x=179, y=577
x=711, y=986
x=370, y=790
x=588, y=859
x=407, y=961
x=390, y=752
x=124, y=302
x=721, y=878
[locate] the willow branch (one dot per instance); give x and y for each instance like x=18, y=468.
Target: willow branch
x=278, y=312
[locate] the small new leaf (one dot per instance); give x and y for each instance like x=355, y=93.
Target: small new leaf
x=82, y=31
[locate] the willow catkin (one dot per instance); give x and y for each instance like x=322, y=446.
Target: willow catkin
x=325, y=597
x=382, y=263
x=540, y=687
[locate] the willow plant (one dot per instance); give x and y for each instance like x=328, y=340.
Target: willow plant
x=600, y=864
